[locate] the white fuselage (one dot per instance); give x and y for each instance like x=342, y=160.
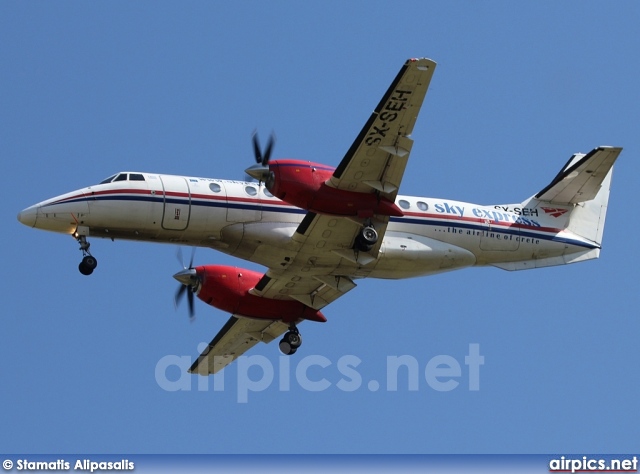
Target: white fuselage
x=242, y=219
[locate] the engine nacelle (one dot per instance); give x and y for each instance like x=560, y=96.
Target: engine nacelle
x=227, y=288
x=302, y=184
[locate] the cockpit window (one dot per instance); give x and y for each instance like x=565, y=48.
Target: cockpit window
x=108, y=180
x=124, y=177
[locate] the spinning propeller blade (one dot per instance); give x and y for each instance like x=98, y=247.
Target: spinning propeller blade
x=189, y=282
x=260, y=170
x=263, y=158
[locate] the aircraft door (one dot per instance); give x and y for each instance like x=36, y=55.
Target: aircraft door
x=177, y=202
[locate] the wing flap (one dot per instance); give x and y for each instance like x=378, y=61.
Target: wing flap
x=235, y=338
x=313, y=276
x=581, y=178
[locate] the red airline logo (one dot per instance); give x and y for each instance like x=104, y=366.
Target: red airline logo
x=554, y=211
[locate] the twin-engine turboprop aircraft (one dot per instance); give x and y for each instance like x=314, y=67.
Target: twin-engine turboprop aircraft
x=319, y=229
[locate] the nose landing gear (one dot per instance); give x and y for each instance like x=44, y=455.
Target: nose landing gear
x=89, y=262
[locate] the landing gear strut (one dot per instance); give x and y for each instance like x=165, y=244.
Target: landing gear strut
x=291, y=341
x=89, y=262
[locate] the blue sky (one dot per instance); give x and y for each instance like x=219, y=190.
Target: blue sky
x=92, y=88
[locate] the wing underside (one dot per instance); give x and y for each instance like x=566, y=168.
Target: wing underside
x=376, y=160
x=236, y=337
x=320, y=261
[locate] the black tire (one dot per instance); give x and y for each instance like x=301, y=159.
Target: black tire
x=369, y=235
x=294, y=339
x=285, y=347
x=90, y=262
x=367, y=238
x=84, y=269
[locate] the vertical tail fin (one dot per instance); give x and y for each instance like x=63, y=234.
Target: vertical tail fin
x=583, y=183
x=574, y=204
x=588, y=217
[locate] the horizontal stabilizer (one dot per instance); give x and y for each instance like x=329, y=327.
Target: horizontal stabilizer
x=581, y=177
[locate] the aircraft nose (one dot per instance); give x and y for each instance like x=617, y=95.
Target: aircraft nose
x=28, y=216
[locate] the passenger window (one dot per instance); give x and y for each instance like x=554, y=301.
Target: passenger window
x=404, y=204
x=267, y=192
x=215, y=187
x=121, y=177
x=136, y=177
x=423, y=206
x=251, y=191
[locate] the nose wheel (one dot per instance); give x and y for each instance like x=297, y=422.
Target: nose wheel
x=89, y=262
x=291, y=341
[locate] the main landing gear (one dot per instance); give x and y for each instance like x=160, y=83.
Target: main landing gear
x=89, y=262
x=366, y=239
x=291, y=341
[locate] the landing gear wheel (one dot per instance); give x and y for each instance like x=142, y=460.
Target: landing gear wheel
x=90, y=261
x=293, y=338
x=85, y=269
x=286, y=348
x=366, y=239
x=88, y=264
x=291, y=341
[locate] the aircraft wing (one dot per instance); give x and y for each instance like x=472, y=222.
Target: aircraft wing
x=322, y=245
x=377, y=159
x=310, y=274
x=236, y=337
x=315, y=262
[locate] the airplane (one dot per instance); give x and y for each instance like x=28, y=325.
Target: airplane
x=319, y=229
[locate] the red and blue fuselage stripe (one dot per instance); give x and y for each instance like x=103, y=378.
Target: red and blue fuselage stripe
x=252, y=204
